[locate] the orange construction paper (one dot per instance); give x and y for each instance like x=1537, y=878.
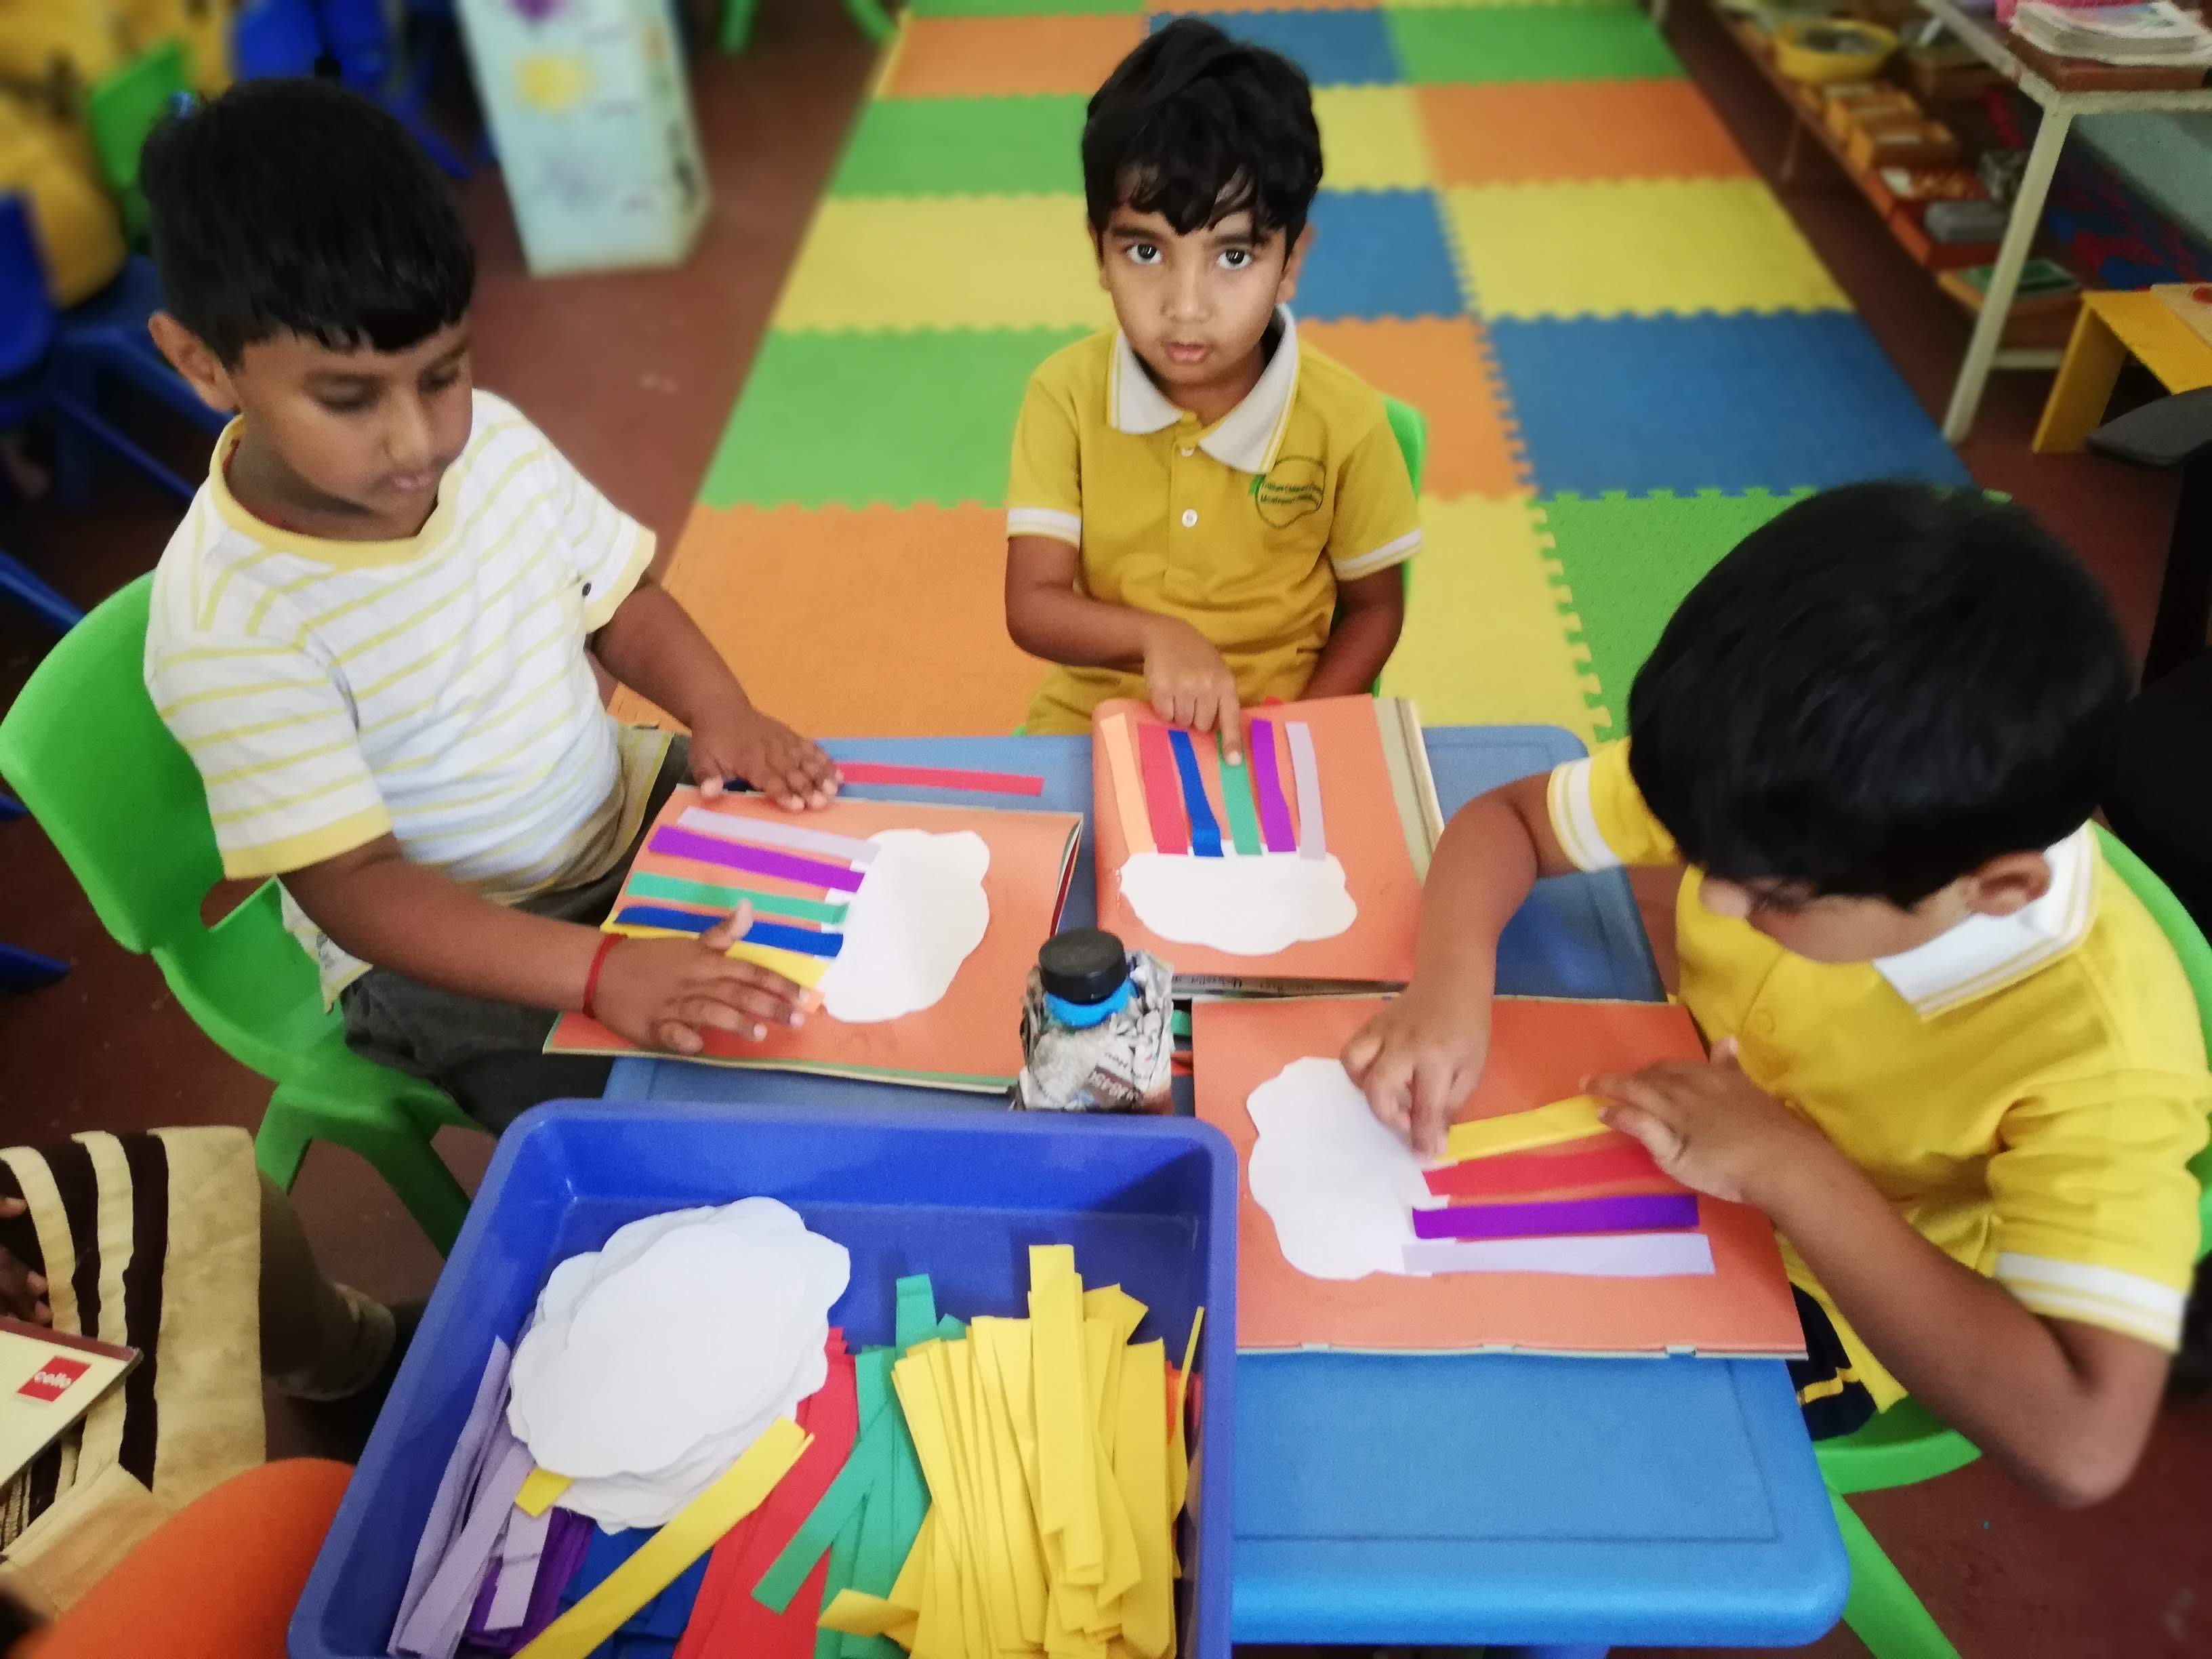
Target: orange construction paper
x=971, y=1038
x=1364, y=831
x=1535, y=131
x=1539, y=1051
x=1006, y=57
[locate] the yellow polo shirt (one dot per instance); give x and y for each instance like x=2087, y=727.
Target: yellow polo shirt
x=1242, y=529
x=2028, y=1089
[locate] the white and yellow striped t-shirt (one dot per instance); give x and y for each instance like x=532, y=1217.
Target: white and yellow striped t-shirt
x=435, y=689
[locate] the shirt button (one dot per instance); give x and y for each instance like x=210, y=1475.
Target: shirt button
x=1189, y=517
x=1188, y=452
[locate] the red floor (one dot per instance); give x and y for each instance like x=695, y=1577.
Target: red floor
x=633, y=376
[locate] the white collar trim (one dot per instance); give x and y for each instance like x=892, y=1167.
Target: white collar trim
x=1984, y=954
x=1247, y=437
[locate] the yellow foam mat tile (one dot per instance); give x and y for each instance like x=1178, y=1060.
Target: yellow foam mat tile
x=1373, y=138
x=1639, y=247
x=994, y=262
x=1486, y=641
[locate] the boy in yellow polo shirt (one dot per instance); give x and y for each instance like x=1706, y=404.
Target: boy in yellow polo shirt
x=1204, y=513
x=1953, y=1057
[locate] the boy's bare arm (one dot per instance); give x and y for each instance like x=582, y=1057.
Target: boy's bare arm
x=377, y=905
x=1371, y=613
x=1424, y=1053
x=1048, y=616
x=651, y=645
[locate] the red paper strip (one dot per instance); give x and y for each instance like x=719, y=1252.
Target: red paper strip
x=1162, y=790
x=1619, y=1159
x=726, y=1623
x=941, y=777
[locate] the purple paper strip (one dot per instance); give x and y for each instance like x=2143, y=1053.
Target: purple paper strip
x=516, y=1572
x=463, y=1466
x=565, y=1546
x=1638, y=1213
x=434, y=1629
x=1267, y=783
x=760, y=860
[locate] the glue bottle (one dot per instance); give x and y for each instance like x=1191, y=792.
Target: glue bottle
x=1097, y=1031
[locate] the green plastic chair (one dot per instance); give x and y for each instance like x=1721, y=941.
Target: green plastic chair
x=1905, y=1445
x=119, y=798
x=121, y=110
x=1412, y=432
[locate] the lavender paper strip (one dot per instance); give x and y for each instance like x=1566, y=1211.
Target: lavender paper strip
x=463, y=1465
x=1628, y=1213
x=515, y=1575
x=565, y=1546
x=434, y=1629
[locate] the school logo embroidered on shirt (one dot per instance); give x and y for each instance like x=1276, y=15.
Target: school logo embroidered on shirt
x=1289, y=492
x=52, y=1379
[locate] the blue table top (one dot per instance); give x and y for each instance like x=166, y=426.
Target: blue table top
x=1480, y=1498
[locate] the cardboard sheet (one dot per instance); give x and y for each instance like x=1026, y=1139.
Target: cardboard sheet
x=1539, y=1051
x=968, y=1040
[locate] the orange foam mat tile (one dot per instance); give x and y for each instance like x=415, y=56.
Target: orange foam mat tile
x=1008, y=57
x=1512, y=131
x=858, y=621
x=1443, y=366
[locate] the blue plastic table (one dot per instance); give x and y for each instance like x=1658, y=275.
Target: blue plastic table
x=1562, y=1505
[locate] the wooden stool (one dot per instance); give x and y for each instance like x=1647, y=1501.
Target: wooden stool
x=2111, y=328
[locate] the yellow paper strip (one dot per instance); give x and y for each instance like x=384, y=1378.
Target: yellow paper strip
x=1067, y=1472
x=856, y=1613
x=1571, y=1119
x=1140, y=1469
x=1025, y=1557
x=795, y=965
x=1128, y=785
x=541, y=1491
x=695, y=1530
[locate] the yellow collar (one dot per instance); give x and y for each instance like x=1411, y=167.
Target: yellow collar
x=1247, y=437
x=354, y=553
x=1985, y=954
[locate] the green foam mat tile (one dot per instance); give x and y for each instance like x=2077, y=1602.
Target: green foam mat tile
x=1626, y=561
x=1022, y=8
x=1438, y=46
x=964, y=147
x=878, y=419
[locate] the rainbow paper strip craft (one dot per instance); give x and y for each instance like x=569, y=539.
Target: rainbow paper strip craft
x=1163, y=793
x=790, y=837
x=1306, y=769
x=1516, y=1131
x=1237, y=800
x=942, y=777
x=1612, y=1255
x=646, y=884
x=760, y=861
x=1641, y=1213
x=1508, y=1173
x=1204, y=833
x=1128, y=792
x=1267, y=783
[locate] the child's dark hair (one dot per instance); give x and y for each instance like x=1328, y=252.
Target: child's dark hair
x=1878, y=692
x=1195, y=126
x=295, y=206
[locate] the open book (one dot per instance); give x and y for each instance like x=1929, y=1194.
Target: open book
x=1298, y=870
x=915, y=925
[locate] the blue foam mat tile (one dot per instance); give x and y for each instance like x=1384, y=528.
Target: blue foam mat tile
x=1378, y=254
x=1334, y=48
x=1732, y=403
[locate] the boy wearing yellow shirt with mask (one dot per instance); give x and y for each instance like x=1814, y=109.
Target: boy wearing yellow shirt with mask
x=1953, y=1057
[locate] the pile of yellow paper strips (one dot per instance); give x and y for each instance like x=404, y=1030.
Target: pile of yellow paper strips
x=1054, y=1454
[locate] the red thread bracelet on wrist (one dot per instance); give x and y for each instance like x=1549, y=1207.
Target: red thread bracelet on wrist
x=592, y=975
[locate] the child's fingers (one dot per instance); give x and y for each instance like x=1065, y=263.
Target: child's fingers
x=1360, y=1053
x=1435, y=1094
x=711, y=1013
x=1229, y=719
x=677, y=1038
x=1661, y=1140
x=729, y=929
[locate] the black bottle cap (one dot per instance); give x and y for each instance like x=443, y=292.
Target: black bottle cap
x=1085, y=966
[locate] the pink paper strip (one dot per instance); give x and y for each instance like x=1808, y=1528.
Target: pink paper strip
x=1268, y=784
x=1508, y=1173
x=1638, y=1213
x=1306, y=769
x=789, y=837
x=1610, y=1255
x=706, y=849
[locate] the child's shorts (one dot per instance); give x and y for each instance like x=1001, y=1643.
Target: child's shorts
x=1829, y=1393
x=488, y=1055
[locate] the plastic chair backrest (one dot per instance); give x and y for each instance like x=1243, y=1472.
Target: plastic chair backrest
x=27, y=319
x=271, y=38
x=1412, y=432
x=123, y=109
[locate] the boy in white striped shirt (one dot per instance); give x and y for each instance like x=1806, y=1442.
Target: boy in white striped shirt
x=371, y=631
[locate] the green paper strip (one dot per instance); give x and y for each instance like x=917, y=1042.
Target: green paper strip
x=877, y=1562
x=950, y=1329
x=1179, y=1022
x=909, y=1494
x=871, y=1380
x=840, y=1505
x=644, y=884
x=830, y=1643
x=1243, y=807
x=915, y=1317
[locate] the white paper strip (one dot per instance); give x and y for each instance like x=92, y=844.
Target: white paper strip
x=1615, y=1255
x=1305, y=769
x=728, y=826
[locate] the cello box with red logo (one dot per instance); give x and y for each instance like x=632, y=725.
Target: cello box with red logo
x=47, y=1382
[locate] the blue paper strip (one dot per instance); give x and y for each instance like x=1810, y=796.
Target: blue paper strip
x=1204, y=833
x=805, y=940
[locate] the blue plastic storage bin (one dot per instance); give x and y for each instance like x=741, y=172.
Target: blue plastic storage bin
x=1148, y=1203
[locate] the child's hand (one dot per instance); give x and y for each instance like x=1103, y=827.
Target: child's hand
x=1190, y=683
x=665, y=992
x=1711, y=1127
x=741, y=742
x=1417, y=1059
x=22, y=1292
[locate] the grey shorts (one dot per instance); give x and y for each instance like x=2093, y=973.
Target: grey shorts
x=489, y=1056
